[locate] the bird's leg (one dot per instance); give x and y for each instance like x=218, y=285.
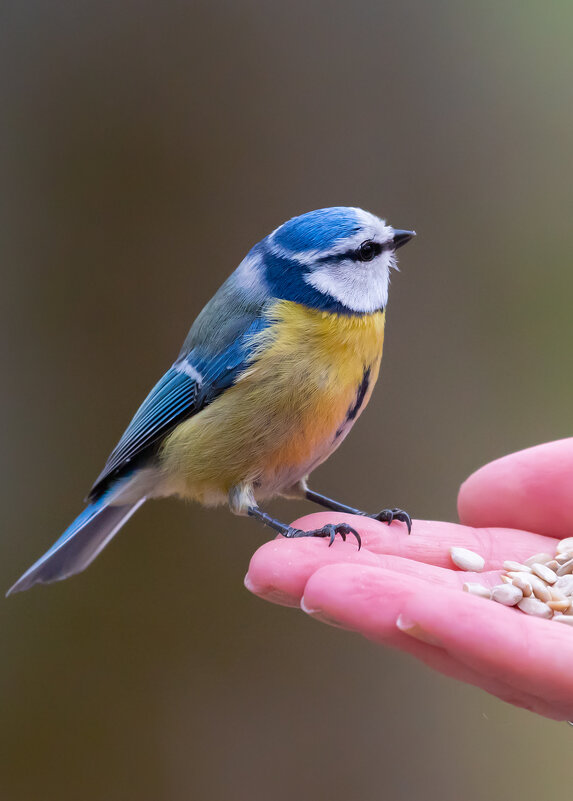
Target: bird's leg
x=242, y=501
x=267, y=520
x=385, y=516
x=330, y=530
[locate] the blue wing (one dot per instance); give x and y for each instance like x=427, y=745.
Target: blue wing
x=194, y=381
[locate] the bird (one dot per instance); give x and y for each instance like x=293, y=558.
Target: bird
x=273, y=374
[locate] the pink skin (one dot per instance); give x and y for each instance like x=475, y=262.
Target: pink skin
x=510, y=509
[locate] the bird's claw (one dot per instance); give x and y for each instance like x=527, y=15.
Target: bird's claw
x=388, y=515
x=330, y=530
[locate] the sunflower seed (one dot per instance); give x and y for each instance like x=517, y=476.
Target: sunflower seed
x=565, y=545
x=532, y=606
x=524, y=576
x=506, y=594
x=477, y=589
x=538, y=557
x=564, y=619
x=509, y=564
x=560, y=606
x=538, y=586
x=566, y=567
x=542, y=593
x=522, y=585
x=565, y=584
x=467, y=560
x=544, y=573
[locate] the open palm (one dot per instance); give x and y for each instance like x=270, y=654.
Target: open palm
x=405, y=592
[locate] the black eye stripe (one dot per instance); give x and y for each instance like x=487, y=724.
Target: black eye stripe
x=354, y=255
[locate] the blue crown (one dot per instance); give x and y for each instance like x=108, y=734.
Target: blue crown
x=317, y=230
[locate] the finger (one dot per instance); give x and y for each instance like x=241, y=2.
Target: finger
x=530, y=490
x=280, y=569
x=523, y=660
x=331, y=596
x=431, y=540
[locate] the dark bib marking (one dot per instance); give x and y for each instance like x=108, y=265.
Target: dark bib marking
x=358, y=401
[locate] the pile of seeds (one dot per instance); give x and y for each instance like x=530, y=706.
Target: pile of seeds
x=542, y=586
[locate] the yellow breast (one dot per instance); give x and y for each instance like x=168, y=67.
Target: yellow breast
x=312, y=375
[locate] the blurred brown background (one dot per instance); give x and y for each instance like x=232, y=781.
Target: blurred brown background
x=144, y=148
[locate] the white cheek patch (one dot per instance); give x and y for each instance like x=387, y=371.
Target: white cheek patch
x=360, y=286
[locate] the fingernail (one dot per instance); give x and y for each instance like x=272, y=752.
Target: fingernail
x=318, y=614
x=270, y=594
x=415, y=630
x=308, y=609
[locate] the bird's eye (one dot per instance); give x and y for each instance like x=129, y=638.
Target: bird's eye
x=368, y=250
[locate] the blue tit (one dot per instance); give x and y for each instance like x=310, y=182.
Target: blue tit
x=273, y=374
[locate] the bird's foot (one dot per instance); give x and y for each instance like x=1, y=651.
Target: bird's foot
x=330, y=530
x=388, y=515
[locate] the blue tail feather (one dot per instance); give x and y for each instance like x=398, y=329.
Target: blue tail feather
x=79, y=545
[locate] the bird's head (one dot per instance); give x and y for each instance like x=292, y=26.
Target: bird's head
x=336, y=259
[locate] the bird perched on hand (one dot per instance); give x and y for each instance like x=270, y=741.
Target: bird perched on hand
x=270, y=379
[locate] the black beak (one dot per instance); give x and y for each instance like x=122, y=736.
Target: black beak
x=401, y=237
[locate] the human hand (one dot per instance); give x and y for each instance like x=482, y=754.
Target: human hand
x=405, y=592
